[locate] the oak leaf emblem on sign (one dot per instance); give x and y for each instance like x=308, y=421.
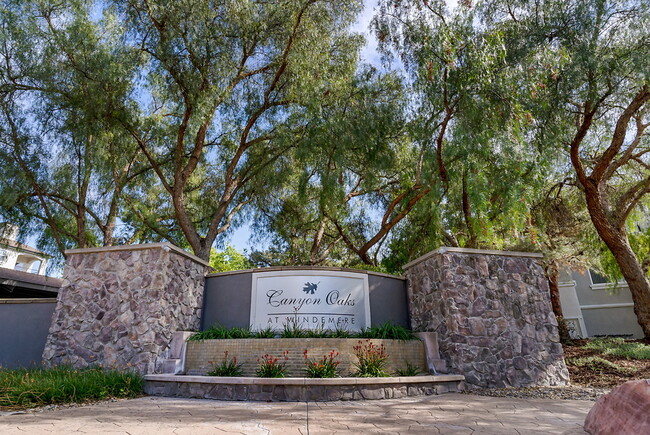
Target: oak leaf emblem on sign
x=310, y=288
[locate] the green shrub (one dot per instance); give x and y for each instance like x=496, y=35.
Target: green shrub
x=388, y=331
x=37, y=387
x=620, y=348
x=220, y=332
x=271, y=367
x=227, y=367
x=371, y=360
x=324, y=368
x=293, y=330
x=341, y=333
x=410, y=370
x=267, y=332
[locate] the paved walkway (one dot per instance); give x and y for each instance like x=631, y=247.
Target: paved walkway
x=444, y=414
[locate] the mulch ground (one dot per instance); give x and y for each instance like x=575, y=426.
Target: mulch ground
x=603, y=376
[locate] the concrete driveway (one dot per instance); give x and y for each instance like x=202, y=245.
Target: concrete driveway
x=445, y=414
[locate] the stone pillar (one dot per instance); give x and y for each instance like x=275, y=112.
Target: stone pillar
x=492, y=313
x=119, y=306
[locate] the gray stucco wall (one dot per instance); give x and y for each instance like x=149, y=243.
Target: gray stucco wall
x=612, y=321
x=24, y=324
x=388, y=300
x=596, y=295
x=606, y=319
x=227, y=298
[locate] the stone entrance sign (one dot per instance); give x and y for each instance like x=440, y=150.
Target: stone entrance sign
x=310, y=300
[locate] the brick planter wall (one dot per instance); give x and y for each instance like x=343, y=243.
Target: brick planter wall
x=119, y=306
x=201, y=354
x=492, y=313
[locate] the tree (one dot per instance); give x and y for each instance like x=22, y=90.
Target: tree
x=356, y=174
x=212, y=94
x=486, y=178
x=228, y=259
x=64, y=169
x=230, y=82
x=591, y=96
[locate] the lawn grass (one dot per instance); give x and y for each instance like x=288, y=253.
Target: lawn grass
x=620, y=348
x=26, y=388
x=598, y=365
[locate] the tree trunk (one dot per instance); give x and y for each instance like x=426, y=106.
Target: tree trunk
x=552, y=276
x=635, y=278
x=617, y=242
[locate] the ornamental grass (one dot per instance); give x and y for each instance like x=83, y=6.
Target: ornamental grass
x=326, y=367
x=371, y=360
x=272, y=367
x=227, y=367
x=25, y=388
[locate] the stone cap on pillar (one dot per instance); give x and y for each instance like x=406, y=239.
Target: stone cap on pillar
x=165, y=246
x=446, y=249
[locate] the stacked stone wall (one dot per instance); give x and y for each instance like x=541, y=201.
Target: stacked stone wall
x=119, y=307
x=492, y=314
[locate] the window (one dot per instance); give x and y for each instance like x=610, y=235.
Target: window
x=597, y=278
x=36, y=266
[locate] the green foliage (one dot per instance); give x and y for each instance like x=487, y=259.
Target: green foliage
x=620, y=347
x=169, y=117
x=326, y=367
x=583, y=78
x=65, y=167
x=292, y=329
x=355, y=166
x=272, y=367
x=267, y=332
x=410, y=370
x=371, y=360
x=484, y=177
x=388, y=331
x=227, y=367
x=340, y=332
x=218, y=332
x=381, y=268
x=228, y=259
x=25, y=388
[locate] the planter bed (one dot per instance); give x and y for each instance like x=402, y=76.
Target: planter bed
x=201, y=355
x=299, y=389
